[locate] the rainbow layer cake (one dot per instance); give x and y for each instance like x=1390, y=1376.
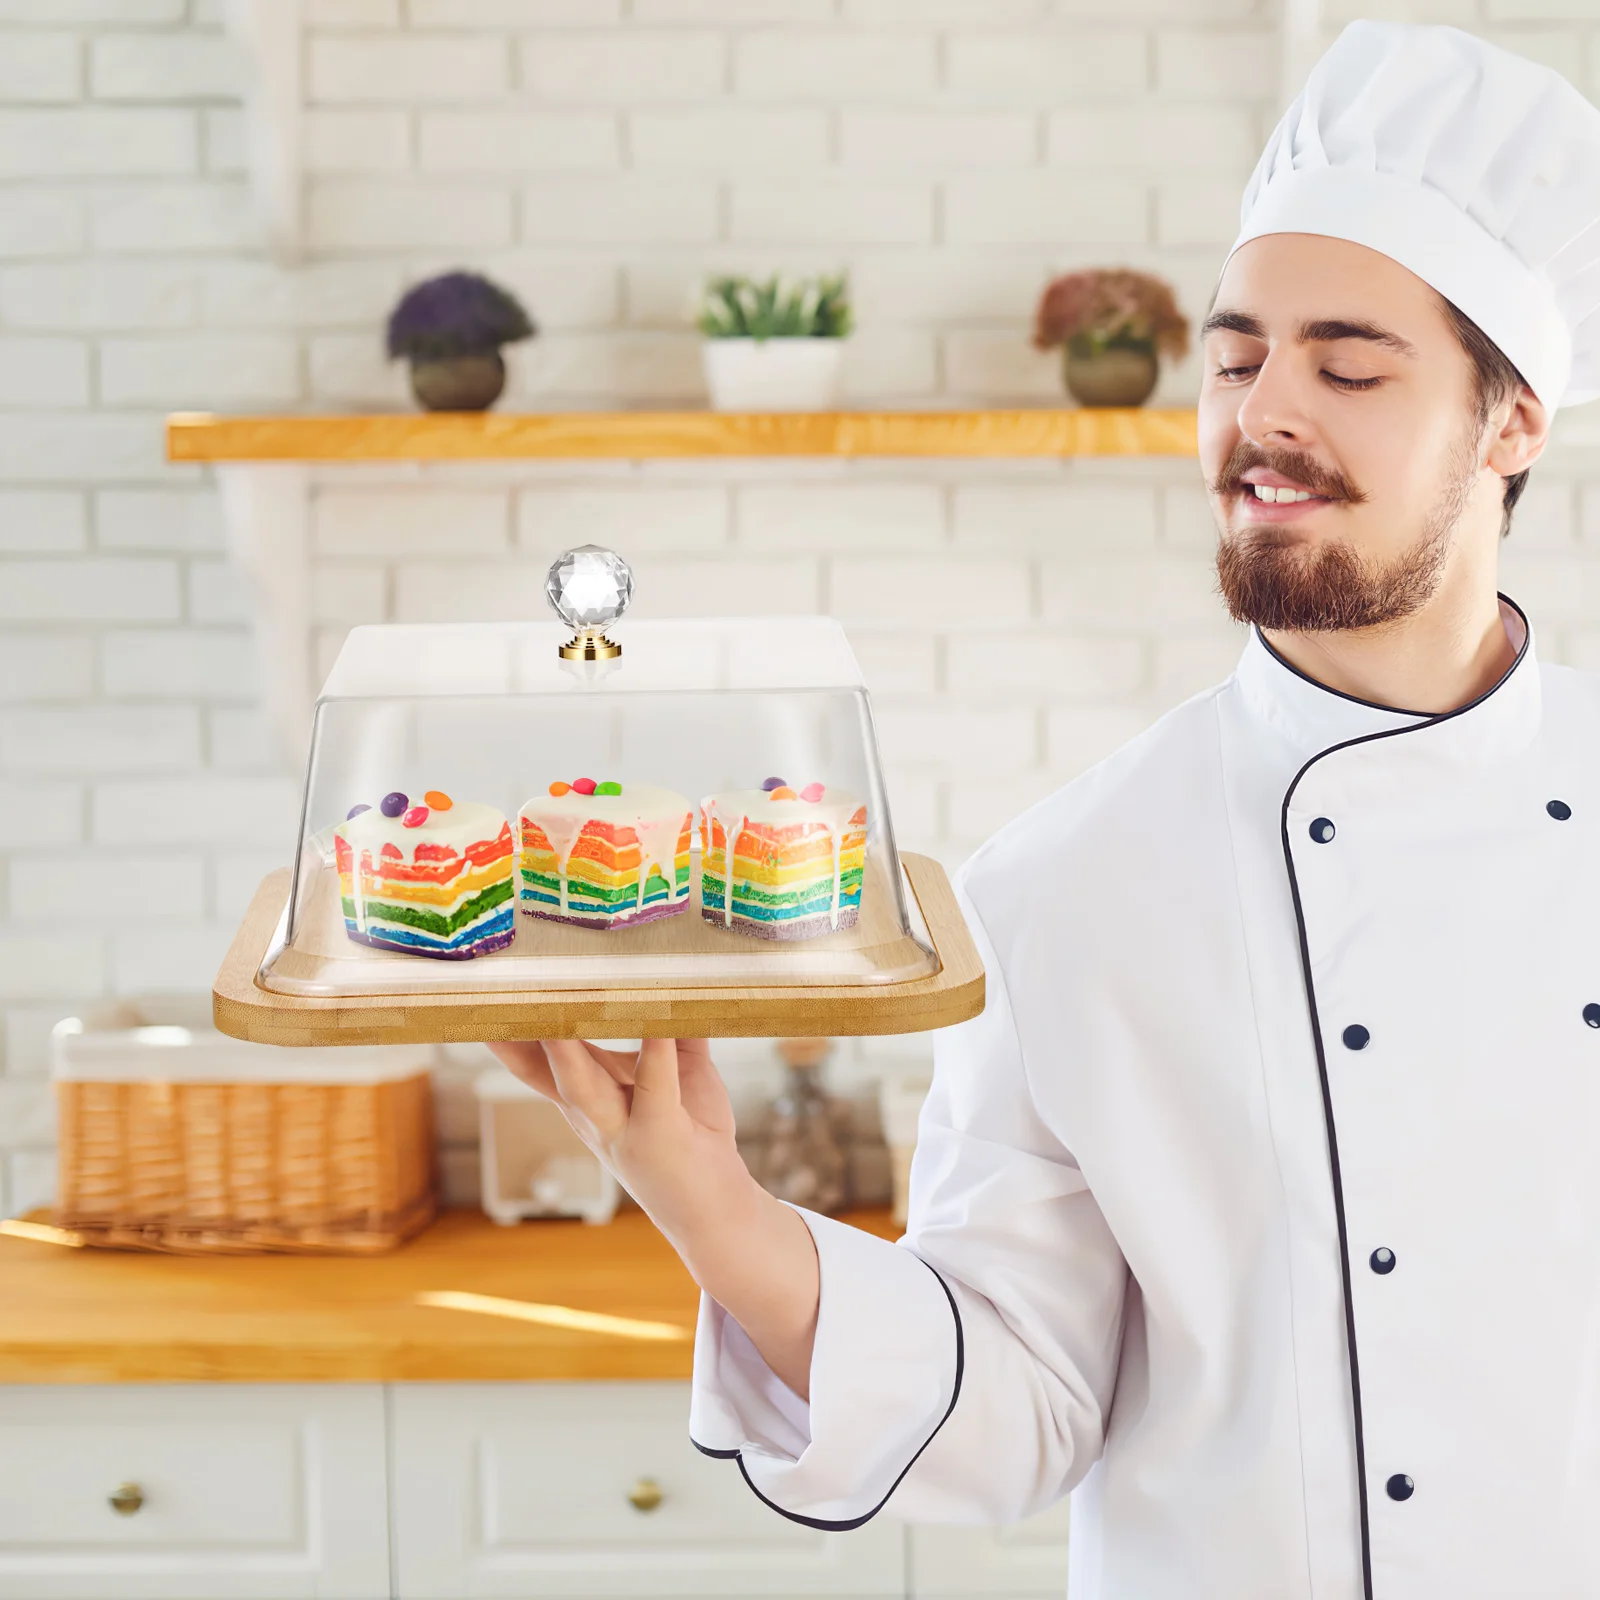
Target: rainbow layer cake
x=798, y=859
x=604, y=855
x=432, y=879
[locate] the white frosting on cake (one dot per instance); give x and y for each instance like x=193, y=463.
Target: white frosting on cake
x=464, y=823
x=467, y=822
x=734, y=808
x=657, y=817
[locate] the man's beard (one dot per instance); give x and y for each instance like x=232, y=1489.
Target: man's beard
x=1268, y=577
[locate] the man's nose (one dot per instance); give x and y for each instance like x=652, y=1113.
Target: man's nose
x=1274, y=410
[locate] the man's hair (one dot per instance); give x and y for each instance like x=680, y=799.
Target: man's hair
x=1494, y=379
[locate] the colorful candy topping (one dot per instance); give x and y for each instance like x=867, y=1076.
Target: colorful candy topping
x=584, y=786
x=355, y=811
x=438, y=800
x=393, y=804
x=779, y=790
x=415, y=817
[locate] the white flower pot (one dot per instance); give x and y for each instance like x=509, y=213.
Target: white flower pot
x=773, y=374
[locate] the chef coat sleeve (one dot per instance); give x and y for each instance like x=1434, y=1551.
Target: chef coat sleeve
x=967, y=1370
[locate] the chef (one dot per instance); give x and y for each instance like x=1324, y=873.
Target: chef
x=1261, y=1205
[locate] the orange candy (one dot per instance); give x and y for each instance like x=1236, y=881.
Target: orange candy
x=559, y=789
x=437, y=800
x=783, y=792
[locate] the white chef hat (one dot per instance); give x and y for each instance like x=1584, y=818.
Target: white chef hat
x=1475, y=169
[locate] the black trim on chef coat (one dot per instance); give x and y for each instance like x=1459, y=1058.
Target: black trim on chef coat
x=1428, y=720
x=845, y=1526
x=1373, y=705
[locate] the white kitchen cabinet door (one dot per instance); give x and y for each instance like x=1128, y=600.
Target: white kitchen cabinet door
x=524, y=1490
x=1023, y=1559
x=226, y=1492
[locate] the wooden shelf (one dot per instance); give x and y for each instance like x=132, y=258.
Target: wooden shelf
x=636, y=435
x=464, y=1301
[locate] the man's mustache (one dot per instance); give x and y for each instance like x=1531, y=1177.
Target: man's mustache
x=1302, y=469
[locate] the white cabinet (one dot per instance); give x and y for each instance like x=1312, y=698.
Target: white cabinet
x=1024, y=1559
x=524, y=1490
x=192, y=1492
x=493, y=1491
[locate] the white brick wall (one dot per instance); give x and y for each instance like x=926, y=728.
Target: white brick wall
x=600, y=157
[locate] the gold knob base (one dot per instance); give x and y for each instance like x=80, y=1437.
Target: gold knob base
x=589, y=644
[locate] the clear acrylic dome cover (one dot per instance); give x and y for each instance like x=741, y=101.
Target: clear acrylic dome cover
x=481, y=814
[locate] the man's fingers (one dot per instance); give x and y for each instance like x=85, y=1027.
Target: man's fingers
x=526, y=1060
x=655, y=1079
x=619, y=1063
x=700, y=1087
x=584, y=1085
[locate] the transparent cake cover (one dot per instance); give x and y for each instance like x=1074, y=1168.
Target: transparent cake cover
x=492, y=715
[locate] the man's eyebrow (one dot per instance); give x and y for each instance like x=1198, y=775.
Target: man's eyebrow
x=1325, y=329
x=1233, y=322
x=1320, y=330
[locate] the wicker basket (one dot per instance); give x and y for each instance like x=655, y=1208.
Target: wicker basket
x=178, y=1139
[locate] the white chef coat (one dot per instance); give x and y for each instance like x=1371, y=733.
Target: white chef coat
x=1263, y=1199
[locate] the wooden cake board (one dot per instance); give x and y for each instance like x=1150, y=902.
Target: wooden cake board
x=954, y=993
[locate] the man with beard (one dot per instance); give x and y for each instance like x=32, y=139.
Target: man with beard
x=1263, y=1200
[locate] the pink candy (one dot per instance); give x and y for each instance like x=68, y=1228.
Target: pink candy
x=812, y=792
x=584, y=786
x=415, y=817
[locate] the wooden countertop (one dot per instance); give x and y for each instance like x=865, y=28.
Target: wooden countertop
x=467, y=1300
x=638, y=435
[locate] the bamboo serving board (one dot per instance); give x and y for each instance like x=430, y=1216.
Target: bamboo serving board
x=953, y=993
x=667, y=953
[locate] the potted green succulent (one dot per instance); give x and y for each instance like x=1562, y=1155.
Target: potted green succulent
x=451, y=329
x=1112, y=325
x=774, y=346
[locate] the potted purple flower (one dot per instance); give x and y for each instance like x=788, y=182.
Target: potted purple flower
x=451, y=329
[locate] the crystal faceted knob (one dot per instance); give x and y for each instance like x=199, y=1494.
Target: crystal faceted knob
x=589, y=588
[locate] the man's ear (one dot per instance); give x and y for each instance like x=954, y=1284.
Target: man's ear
x=1520, y=431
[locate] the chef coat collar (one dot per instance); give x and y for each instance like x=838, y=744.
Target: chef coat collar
x=1313, y=717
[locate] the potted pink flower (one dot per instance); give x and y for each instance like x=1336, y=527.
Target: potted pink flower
x=1112, y=326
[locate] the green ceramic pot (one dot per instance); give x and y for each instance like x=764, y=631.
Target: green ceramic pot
x=458, y=383
x=1120, y=375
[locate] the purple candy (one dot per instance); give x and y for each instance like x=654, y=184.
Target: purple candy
x=770, y=784
x=355, y=811
x=393, y=804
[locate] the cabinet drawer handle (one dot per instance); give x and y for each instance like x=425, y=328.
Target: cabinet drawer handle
x=126, y=1499
x=645, y=1495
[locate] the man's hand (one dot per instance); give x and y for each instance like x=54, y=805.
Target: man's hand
x=661, y=1121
